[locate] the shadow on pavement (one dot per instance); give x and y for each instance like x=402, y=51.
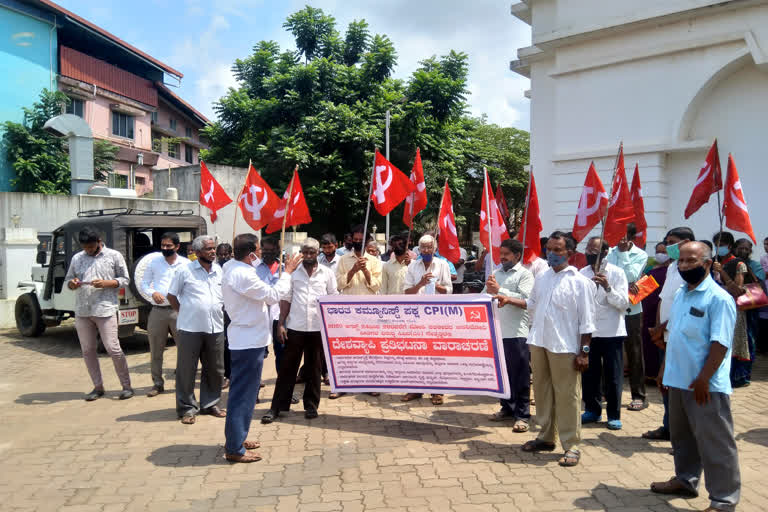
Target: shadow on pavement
x=755, y=436
x=509, y=453
x=62, y=342
x=159, y=415
x=627, y=446
x=610, y=497
x=401, y=429
x=48, y=398
x=188, y=455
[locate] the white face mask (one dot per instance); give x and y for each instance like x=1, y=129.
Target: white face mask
x=256, y=261
x=662, y=257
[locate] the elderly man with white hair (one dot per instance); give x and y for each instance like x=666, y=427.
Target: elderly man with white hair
x=195, y=293
x=299, y=329
x=427, y=275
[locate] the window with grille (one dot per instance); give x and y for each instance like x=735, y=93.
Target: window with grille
x=122, y=125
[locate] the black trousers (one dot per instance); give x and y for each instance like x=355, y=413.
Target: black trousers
x=310, y=345
x=517, y=358
x=227, y=355
x=635, y=360
x=606, y=362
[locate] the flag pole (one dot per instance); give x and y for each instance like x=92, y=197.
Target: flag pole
x=525, y=215
x=487, y=191
x=442, y=198
x=719, y=208
x=386, y=150
x=608, y=207
x=285, y=218
x=368, y=201
x=237, y=202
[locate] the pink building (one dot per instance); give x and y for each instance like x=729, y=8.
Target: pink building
x=129, y=106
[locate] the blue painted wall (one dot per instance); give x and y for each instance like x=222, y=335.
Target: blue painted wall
x=29, y=62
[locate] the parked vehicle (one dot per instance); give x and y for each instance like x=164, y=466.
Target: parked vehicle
x=45, y=301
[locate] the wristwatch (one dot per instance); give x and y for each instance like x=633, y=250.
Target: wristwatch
x=585, y=349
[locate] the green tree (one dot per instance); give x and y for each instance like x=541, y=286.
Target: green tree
x=41, y=159
x=323, y=108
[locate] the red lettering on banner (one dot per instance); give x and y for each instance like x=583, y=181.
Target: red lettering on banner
x=455, y=347
x=475, y=314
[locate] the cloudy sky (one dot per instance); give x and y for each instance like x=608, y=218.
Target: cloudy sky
x=202, y=38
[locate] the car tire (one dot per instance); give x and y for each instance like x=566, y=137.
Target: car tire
x=29, y=317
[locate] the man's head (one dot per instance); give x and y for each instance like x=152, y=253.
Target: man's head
x=723, y=243
x=246, y=246
x=543, y=243
x=205, y=248
x=408, y=236
x=596, y=249
x=510, y=252
x=694, y=262
x=328, y=245
x=397, y=243
x=570, y=244
x=90, y=240
x=743, y=248
x=223, y=253
x=357, y=238
x=169, y=244
x=427, y=247
x=557, y=250
x=309, y=250
x=629, y=238
x=372, y=248
x=676, y=238
x=270, y=250
x=348, y=241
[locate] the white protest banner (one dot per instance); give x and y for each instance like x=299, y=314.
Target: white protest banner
x=414, y=343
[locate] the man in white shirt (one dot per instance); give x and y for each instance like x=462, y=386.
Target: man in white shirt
x=461, y=268
x=563, y=312
x=329, y=256
x=162, y=318
x=675, y=239
x=299, y=327
x=394, y=270
x=428, y=275
x=195, y=294
x=515, y=283
x=537, y=267
x=606, y=352
x=247, y=299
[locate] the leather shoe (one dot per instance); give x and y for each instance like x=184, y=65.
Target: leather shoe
x=156, y=390
x=214, y=411
x=125, y=394
x=270, y=417
x=94, y=395
x=310, y=414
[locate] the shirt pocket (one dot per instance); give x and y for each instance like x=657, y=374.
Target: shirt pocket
x=696, y=327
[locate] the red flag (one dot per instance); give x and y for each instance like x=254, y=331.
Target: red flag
x=492, y=228
x=734, y=206
x=212, y=195
x=257, y=201
x=419, y=197
x=532, y=227
x=298, y=211
x=636, y=193
x=710, y=180
x=620, y=209
x=448, y=238
x=390, y=185
x=501, y=201
x=592, y=205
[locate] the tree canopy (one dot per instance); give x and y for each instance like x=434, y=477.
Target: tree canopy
x=322, y=107
x=41, y=159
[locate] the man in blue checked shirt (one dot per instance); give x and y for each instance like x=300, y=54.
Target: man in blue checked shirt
x=696, y=371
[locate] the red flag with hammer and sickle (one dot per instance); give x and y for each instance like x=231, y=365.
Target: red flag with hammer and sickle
x=298, y=211
x=257, y=201
x=415, y=201
x=447, y=236
x=212, y=194
x=592, y=205
x=390, y=185
x=734, y=205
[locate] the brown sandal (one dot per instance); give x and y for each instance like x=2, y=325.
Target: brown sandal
x=188, y=419
x=570, y=458
x=537, y=445
x=673, y=486
x=438, y=400
x=251, y=445
x=246, y=457
x=409, y=397
x=520, y=426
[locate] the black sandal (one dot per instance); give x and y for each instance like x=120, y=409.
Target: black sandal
x=570, y=458
x=537, y=445
x=660, y=434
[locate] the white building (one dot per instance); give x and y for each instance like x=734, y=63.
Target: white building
x=664, y=76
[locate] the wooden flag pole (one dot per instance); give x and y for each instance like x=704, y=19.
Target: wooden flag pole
x=525, y=215
x=285, y=218
x=608, y=207
x=368, y=201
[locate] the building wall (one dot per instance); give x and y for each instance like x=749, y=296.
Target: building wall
x=28, y=60
x=666, y=91
x=165, y=113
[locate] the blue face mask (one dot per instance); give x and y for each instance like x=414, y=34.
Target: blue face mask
x=427, y=258
x=555, y=260
x=674, y=251
x=723, y=251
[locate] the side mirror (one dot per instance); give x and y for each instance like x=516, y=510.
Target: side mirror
x=42, y=257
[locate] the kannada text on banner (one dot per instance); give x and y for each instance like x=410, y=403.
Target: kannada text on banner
x=414, y=343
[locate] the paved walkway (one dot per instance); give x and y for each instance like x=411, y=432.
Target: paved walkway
x=58, y=452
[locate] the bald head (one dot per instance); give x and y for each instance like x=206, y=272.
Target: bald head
x=693, y=255
x=696, y=249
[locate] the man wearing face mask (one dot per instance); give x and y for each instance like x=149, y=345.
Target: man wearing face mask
x=247, y=298
x=606, y=361
x=562, y=306
x=696, y=373
x=348, y=245
x=428, y=275
x=300, y=325
x=195, y=294
x=223, y=254
x=96, y=273
x=394, y=270
x=162, y=318
x=632, y=260
x=512, y=280
x=676, y=239
x=268, y=270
